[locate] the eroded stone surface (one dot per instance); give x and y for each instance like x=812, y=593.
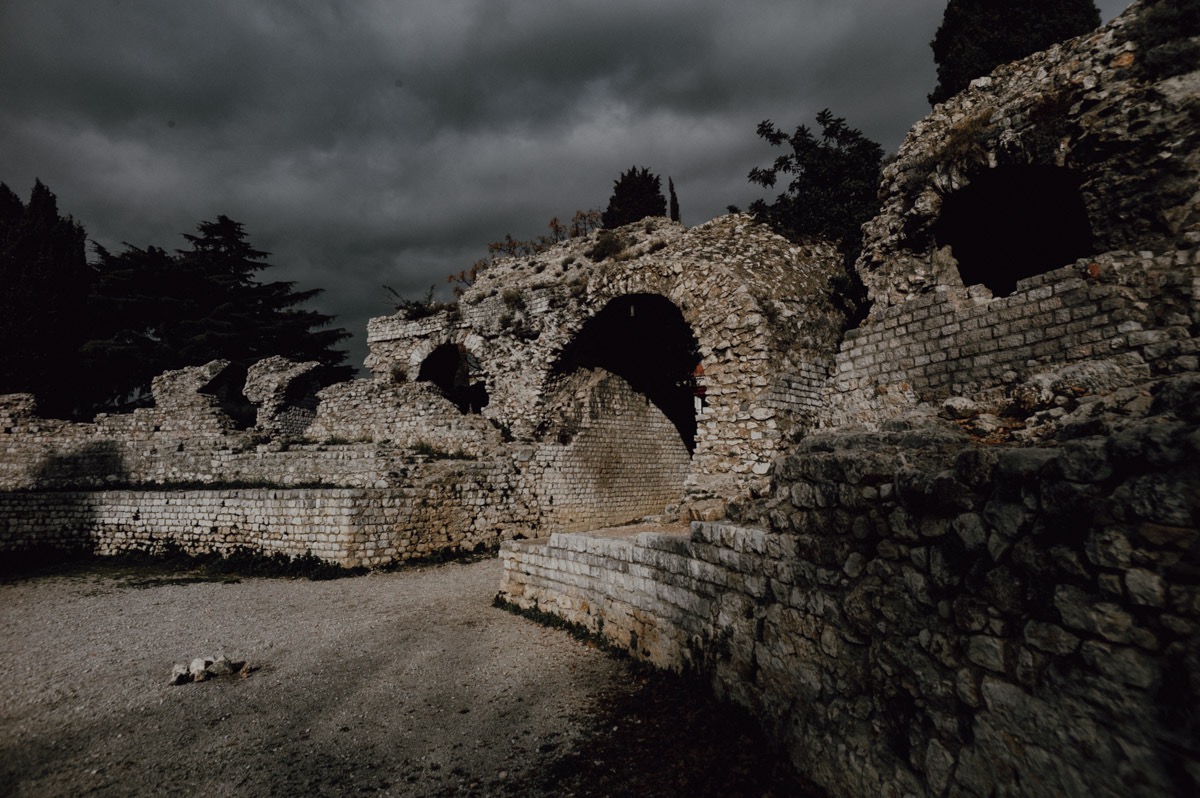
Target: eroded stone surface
x=951, y=551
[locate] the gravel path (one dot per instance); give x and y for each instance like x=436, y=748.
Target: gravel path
x=407, y=683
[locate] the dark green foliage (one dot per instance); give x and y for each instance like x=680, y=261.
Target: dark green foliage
x=636, y=195
x=674, y=200
x=976, y=36
x=90, y=337
x=45, y=281
x=833, y=191
x=1166, y=37
x=154, y=311
x=833, y=187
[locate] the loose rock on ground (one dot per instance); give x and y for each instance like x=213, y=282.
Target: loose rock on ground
x=407, y=683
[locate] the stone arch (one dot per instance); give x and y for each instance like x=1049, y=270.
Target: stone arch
x=619, y=421
x=457, y=374
x=1013, y=222
x=644, y=339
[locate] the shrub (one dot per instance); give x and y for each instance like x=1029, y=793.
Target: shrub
x=608, y=244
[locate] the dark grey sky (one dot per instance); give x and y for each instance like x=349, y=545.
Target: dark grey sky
x=387, y=141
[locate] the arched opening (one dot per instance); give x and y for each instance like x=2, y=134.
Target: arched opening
x=1015, y=222
x=226, y=388
x=457, y=373
x=644, y=339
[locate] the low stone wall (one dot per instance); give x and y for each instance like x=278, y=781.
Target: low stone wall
x=403, y=414
x=445, y=507
x=914, y=613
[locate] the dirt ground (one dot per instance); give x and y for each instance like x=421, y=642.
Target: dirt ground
x=405, y=683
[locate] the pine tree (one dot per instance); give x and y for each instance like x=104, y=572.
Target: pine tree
x=674, y=200
x=156, y=311
x=45, y=279
x=636, y=195
x=976, y=36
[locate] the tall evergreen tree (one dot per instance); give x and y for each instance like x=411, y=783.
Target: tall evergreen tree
x=674, y=200
x=155, y=311
x=636, y=194
x=976, y=36
x=45, y=280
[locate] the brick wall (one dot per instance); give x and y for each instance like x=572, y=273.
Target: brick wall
x=615, y=459
x=946, y=343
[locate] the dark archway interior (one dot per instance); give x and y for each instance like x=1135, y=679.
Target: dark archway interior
x=452, y=369
x=1015, y=222
x=644, y=339
x=226, y=388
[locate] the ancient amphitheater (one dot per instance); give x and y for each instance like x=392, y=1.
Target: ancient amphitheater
x=950, y=549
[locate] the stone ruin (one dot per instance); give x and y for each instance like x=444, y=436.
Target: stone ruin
x=558, y=393
x=948, y=550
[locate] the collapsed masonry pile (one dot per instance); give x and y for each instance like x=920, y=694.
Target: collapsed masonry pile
x=202, y=669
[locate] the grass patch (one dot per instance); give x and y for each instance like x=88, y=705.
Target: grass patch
x=608, y=244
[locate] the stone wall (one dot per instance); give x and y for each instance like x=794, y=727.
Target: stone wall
x=919, y=613
x=1088, y=106
x=758, y=305
x=404, y=414
x=947, y=343
x=442, y=507
x=612, y=456
x=425, y=478
x=974, y=573
x=960, y=545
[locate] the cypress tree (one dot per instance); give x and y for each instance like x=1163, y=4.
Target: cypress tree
x=45, y=279
x=636, y=194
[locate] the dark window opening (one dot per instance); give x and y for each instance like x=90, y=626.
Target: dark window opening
x=226, y=388
x=302, y=393
x=644, y=339
x=1015, y=222
x=459, y=376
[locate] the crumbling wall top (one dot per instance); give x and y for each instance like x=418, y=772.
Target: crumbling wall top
x=1090, y=107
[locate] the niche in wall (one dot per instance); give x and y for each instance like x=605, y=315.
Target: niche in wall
x=457, y=374
x=1014, y=222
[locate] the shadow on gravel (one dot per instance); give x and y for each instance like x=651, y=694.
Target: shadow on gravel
x=171, y=565
x=665, y=735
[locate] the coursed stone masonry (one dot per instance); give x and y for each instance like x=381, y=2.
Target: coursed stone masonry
x=959, y=544
x=758, y=306
x=918, y=612
x=975, y=574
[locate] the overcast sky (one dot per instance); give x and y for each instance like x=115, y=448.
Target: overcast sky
x=387, y=141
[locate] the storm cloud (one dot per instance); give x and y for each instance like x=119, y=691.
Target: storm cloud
x=375, y=142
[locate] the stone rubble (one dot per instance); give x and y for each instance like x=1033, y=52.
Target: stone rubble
x=201, y=669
